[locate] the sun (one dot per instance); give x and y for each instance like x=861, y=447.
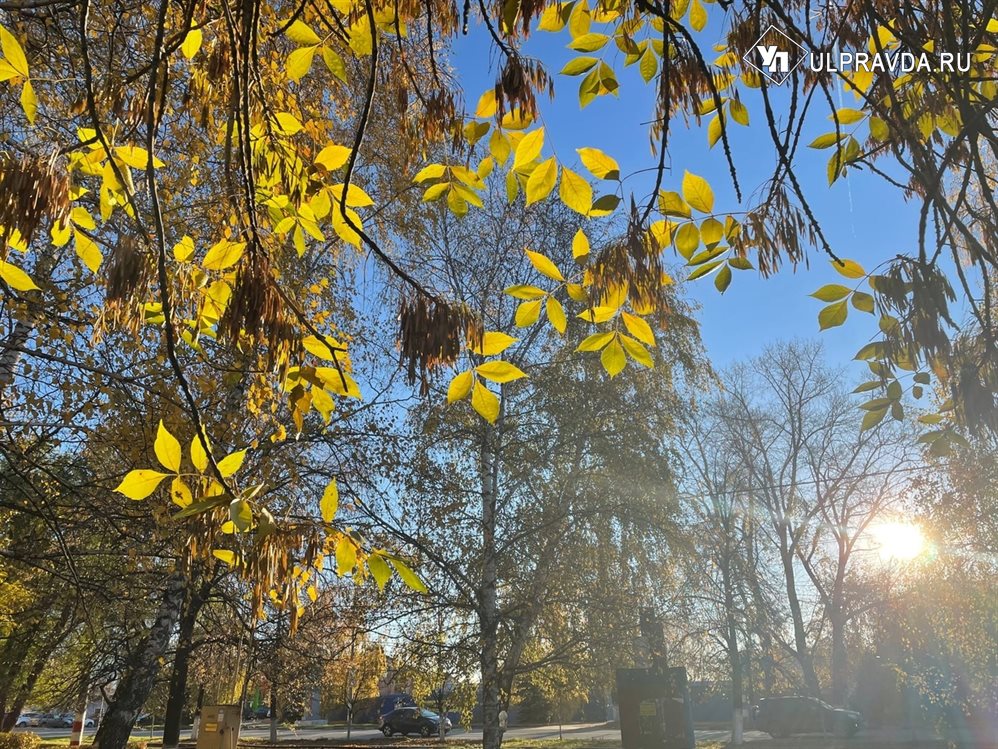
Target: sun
x=898, y=541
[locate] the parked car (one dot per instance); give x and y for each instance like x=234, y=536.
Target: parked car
x=785, y=716
x=145, y=719
x=55, y=720
x=406, y=720
x=25, y=720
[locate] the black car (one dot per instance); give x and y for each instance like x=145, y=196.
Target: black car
x=785, y=716
x=406, y=720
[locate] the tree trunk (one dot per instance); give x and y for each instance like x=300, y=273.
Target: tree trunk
x=38, y=663
x=488, y=613
x=11, y=353
x=839, y=659
x=273, y=713
x=141, y=670
x=734, y=656
x=177, y=698
x=801, y=649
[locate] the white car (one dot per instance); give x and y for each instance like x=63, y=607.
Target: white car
x=27, y=719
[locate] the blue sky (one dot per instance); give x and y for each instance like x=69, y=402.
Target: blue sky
x=863, y=218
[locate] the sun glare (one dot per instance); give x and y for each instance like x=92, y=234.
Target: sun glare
x=898, y=541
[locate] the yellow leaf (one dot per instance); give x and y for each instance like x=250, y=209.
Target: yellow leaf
x=637, y=352
x=739, y=112
x=319, y=348
x=13, y=52
x=140, y=483
x=430, y=171
x=459, y=387
x=639, y=328
x=556, y=314
x=301, y=33
x=332, y=157
x=541, y=181
x=500, y=371
x=180, y=493
x=167, y=449
x=524, y=291
x=312, y=593
x=672, y=204
x=88, y=252
x=29, y=103
x=330, y=501
x=16, y=278
x=487, y=105
x=224, y=555
x=596, y=341
x=580, y=244
x=135, y=157
x=287, y=123
x=192, y=43
x=575, y=192
x=346, y=555
x=344, y=230
x=379, y=570
x=598, y=314
x=527, y=313
x=184, y=249
x=597, y=162
x=697, y=192
x=687, y=239
x=299, y=63
x=198, y=456
x=323, y=403
x=485, y=402
x=494, y=342
x=231, y=463
x=612, y=358
x=544, y=265
x=223, y=255
x=849, y=268
x=698, y=16
x=408, y=576
x=356, y=197
x=529, y=148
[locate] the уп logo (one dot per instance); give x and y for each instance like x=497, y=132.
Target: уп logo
x=775, y=55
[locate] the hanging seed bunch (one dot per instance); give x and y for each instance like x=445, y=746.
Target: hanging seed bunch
x=257, y=310
x=517, y=84
x=431, y=333
x=129, y=275
x=633, y=263
x=33, y=190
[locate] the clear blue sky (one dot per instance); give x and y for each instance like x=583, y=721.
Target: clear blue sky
x=863, y=219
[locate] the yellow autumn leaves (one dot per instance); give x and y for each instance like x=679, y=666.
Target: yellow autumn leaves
x=14, y=68
x=140, y=483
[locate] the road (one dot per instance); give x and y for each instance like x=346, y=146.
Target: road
x=595, y=731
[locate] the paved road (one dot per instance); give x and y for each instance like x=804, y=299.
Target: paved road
x=576, y=731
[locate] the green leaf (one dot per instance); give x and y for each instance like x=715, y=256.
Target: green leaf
x=872, y=418
x=833, y=315
x=863, y=302
x=723, y=279
x=687, y=239
x=703, y=270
